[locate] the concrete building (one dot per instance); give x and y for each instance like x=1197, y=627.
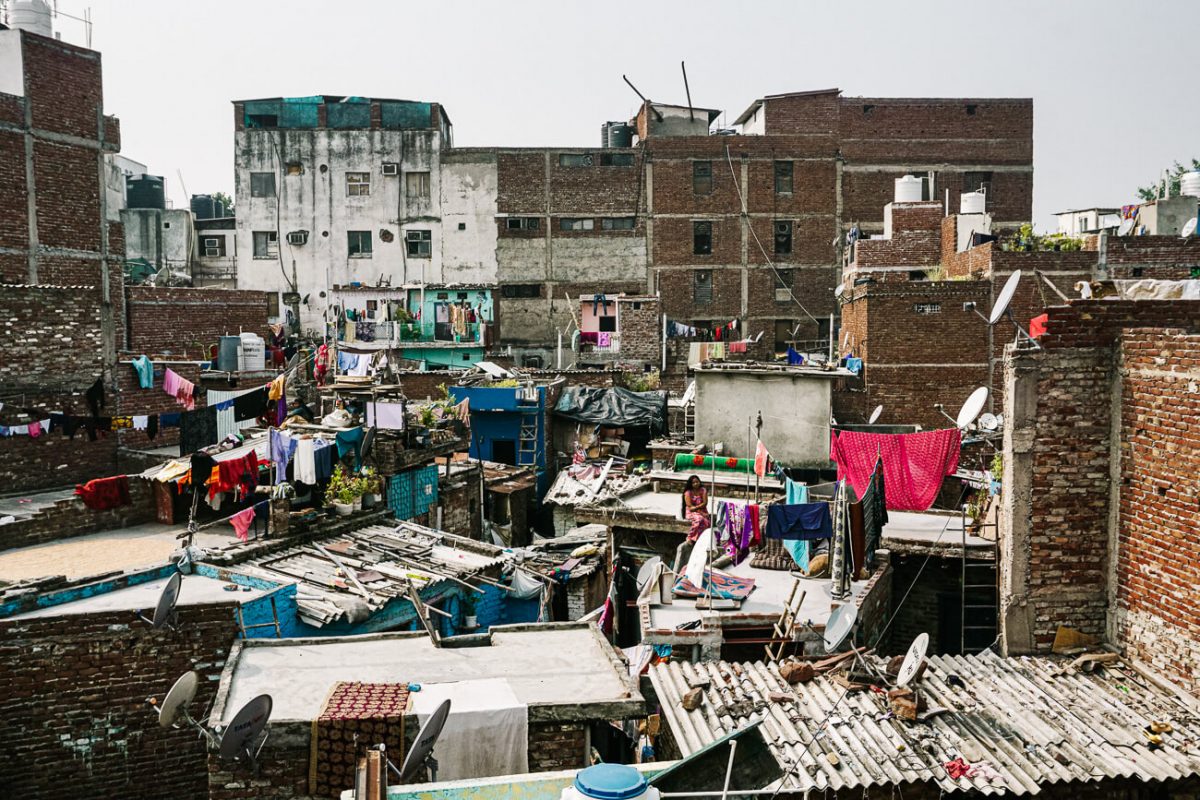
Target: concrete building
x=160, y=239
x=215, y=261
x=339, y=190
x=1077, y=222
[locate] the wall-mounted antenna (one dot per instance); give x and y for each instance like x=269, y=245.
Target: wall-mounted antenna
x=970, y=408
x=421, y=754
x=1003, y=307
x=166, y=613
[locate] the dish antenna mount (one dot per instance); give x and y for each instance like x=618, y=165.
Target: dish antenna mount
x=166, y=613
x=970, y=409
x=913, y=660
x=1003, y=308
x=421, y=754
x=237, y=741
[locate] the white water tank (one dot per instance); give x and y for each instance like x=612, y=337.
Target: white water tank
x=32, y=16
x=908, y=189
x=254, y=352
x=1189, y=184
x=972, y=203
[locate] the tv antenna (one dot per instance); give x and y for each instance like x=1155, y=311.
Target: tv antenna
x=1003, y=308
x=421, y=754
x=875, y=415
x=165, y=613
x=839, y=625
x=237, y=740
x=970, y=409
x=174, y=706
x=647, y=571
x=913, y=660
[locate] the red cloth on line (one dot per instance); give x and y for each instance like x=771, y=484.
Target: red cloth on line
x=761, y=456
x=752, y=511
x=105, y=493
x=241, y=522
x=236, y=472
x=1037, y=325
x=913, y=463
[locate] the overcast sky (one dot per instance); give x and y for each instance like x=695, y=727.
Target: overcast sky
x=1110, y=80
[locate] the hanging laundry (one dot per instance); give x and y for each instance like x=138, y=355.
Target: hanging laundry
x=283, y=447
x=914, y=464
x=796, y=493
x=250, y=405
x=305, y=467
x=182, y=390
x=144, y=369
x=197, y=430
x=323, y=460
x=794, y=358
x=604, y=340
x=95, y=396
x=1038, y=325
x=241, y=523
x=799, y=521
x=738, y=347
x=761, y=458
x=348, y=441
x=105, y=493
x=855, y=365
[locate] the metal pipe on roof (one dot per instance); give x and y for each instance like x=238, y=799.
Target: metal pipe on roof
x=691, y=114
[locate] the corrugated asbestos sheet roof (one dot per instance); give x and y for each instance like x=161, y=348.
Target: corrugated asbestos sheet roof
x=1029, y=723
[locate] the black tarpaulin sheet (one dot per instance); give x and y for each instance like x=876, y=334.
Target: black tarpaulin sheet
x=614, y=408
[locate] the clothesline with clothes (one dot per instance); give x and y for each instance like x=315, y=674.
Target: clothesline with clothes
x=721, y=333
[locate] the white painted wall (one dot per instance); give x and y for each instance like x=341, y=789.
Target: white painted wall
x=795, y=407
x=164, y=238
x=469, y=189
x=12, y=64
x=756, y=125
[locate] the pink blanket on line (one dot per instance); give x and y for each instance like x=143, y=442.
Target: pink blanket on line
x=913, y=463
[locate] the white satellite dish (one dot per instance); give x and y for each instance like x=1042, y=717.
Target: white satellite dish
x=839, y=625
x=698, y=560
x=970, y=409
x=1006, y=296
x=989, y=422
x=875, y=415
x=1189, y=228
x=165, y=613
x=178, y=699
x=245, y=727
x=914, y=659
x=839, y=291
x=647, y=570
x=1125, y=228
x=421, y=753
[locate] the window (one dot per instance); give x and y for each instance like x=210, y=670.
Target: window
x=783, y=237
x=574, y=159
x=266, y=244
x=420, y=243
x=359, y=244
x=783, y=334
x=608, y=324
x=516, y=290
x=928, y=308
x=971, y=109
x=272, y=305
x=702, y=177
x=783, y=177
x=702, y=238
x=618, y=223
x=358, y=184
x=974, y=181
x=616, y=159
x=783, y=285
x=702, y=292
x=214, y=246
x=262, y=184
x=576, y=224
x=295, y=168
x=522, y=223
x=416, y=185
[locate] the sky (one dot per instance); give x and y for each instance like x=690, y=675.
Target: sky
x=1108, y=79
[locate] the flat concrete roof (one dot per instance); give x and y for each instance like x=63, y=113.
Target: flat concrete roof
x=195, y=590
x=104, y=552
x=545, y=665
x=928, y=529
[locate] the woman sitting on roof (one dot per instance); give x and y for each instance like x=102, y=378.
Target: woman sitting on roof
x=695, y=507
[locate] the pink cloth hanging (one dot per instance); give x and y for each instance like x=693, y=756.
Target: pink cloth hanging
x=913, y=463
x=761, y=456
x=241, y=522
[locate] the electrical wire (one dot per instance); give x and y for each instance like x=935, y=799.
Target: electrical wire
x=763, y=250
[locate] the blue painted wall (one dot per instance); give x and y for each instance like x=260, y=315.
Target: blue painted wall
x=496, y=414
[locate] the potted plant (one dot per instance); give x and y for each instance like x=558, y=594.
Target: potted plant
x=470, y=620
x=373, y=487
x=341, y=492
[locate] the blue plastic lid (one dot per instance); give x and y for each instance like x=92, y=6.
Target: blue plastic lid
x=610, y=782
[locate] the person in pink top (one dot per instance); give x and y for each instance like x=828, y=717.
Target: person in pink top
x=695, y=507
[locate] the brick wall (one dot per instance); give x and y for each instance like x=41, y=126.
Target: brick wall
x=189, y=322
x=1157, y=614
x=75, y=707
x=557, y=746
x=1058, y=468
x=70, y=517
x=134, y=400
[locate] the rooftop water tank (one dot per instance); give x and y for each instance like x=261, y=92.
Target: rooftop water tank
x=620, y=134
x=972, y=203
x=32, y=16
x=145, y=191
x=908, y=189
x=204, y=207
x=254, y=352
x=1189, y=184
x=609, y=782
x=227, y=353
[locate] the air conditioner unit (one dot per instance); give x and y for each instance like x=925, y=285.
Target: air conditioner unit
x=391, y=169
x=298, y=237
x=212, y=252
x=212, y=242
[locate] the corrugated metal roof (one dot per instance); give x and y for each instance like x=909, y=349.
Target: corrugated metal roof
x=1032, y=724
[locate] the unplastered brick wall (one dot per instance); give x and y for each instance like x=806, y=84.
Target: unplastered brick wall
x=189, y=322
x=133, y=400
x=557, y=746
x=1157, y=617
x=641, y=329
x=70, y=517
x=1059, y=475
x=75, y=711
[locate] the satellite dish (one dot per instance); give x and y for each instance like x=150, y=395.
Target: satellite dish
x=1125, y=227
x=970, y=409
x=1189, y=228
x=839, y=625
x=839, y=291
x=1006, y=296
x=178, y=699
x=875, y=415
x=367, y=443
x=245, y=727
x=164, y=612
x=989, y=422
x=914, y=659
x=699, y=558
x=647, y=570
x=422, y=749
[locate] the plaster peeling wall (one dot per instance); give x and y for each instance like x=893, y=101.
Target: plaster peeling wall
x=468, y=204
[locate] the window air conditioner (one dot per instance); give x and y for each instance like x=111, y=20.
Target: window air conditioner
x=212, y=252
x=391, y=169
x=298, y=237
x=212, y=243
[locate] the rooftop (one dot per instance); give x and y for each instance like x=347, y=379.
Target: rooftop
x=565, y=665
x=1034, y=721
